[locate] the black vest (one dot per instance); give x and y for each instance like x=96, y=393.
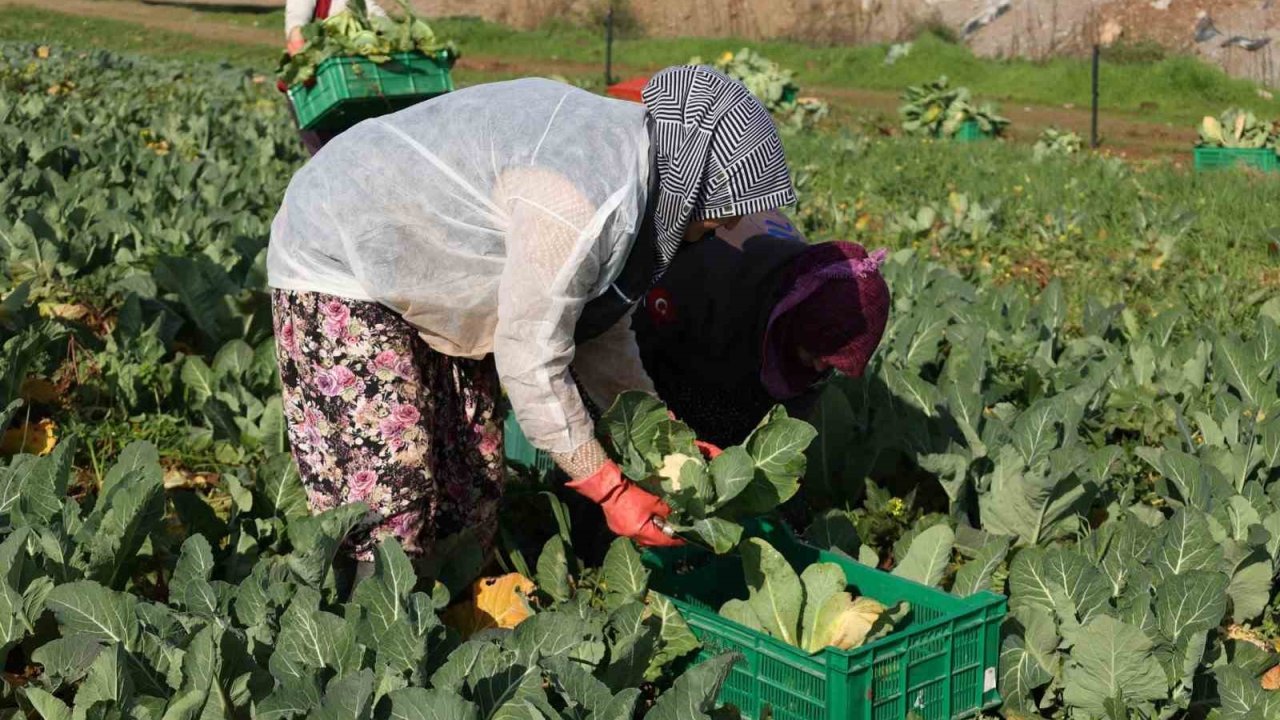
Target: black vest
x=636, y=277
x=703, y=346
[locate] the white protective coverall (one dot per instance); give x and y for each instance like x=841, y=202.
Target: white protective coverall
x=488, y=218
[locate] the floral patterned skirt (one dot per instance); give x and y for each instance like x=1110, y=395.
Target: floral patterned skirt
x=376, y=416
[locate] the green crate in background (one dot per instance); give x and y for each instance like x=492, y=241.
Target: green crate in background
x=941, y=663
x=350, y=89
x=1217, y=158
x=971, y=131
x=520, y=452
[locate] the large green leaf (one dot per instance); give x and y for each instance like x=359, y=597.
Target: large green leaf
x=976, y=574
x=1186, y=473
x=716, y=533
x=576, y=684
x=89, y=609
x=1028, y=661
x=1127, y=551
x=740, y=611
x=130, y=511
x=633, y=422
x=930, y=553
x=547, y=634
x=693, y=695
x=317, y=539
x=1035, y=506
x=675, y=638
x=190, y=582
x=467, y=661
x=820, y=581
x=349, y=697
x=833, y=421
x=1241, y=696
x=834, y=530
x=280, y=487
x=46, y=706
x=553, y=570
x=621, y=707
x=1190, y=603
x=233, y=360
x=624, y=578
x=505, y=689
x=14, y=624
x=290, y=699
x=1035, y=432
x=1186, y=544
x=1235, y=364
x=1112, y=660
x=311, y=639
x=1035, y=573
x=198, y=379
x=774, y=590
x=731, y=472
x=778, y=447
x=66, y=660
x=36, y=486
x=203, y=290
x=420, y=704
x=1250, y=590
x=107, y=682
x=201, y=696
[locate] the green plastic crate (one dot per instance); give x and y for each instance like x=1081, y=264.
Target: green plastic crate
x=941, y=663
x=350, y=89
x=1216, y=158
x=971, y=131
x=519, y=451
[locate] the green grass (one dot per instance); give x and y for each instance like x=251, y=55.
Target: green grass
x=1152, y=236
x=48, y=27
x=1174, y=89
x=45, y=27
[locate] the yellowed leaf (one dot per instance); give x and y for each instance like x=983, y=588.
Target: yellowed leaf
x=39, y=390
x=1241, y=633
x=1271, y=679
x=501, y=602
x=181, y=479
x=505, y=599
x=36, y=438
x=63, y=311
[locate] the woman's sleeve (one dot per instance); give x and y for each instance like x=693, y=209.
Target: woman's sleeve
x=297, y=13
x=553, y=262
x=609, y=365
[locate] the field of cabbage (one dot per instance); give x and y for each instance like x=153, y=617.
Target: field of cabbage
x=1077, y=404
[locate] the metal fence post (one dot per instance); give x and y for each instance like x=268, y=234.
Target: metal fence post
x=608, y=46
x=1097, y=57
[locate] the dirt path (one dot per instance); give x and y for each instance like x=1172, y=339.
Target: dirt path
x=1122, y=133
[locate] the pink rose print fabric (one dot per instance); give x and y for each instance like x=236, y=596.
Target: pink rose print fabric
x=376, y=416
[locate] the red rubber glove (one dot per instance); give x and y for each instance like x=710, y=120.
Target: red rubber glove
x=709, y=451
x=628, y=509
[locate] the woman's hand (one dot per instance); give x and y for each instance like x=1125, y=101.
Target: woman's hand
x=628, y=510
x=294, y=42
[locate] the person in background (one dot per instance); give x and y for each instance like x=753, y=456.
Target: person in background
x=755, y=316
x=298, y=13
x=494, y=239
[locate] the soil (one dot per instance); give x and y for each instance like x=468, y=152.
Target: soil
x=1122, y=134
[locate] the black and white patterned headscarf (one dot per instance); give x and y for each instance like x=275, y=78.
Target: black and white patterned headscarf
x=718, y=153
